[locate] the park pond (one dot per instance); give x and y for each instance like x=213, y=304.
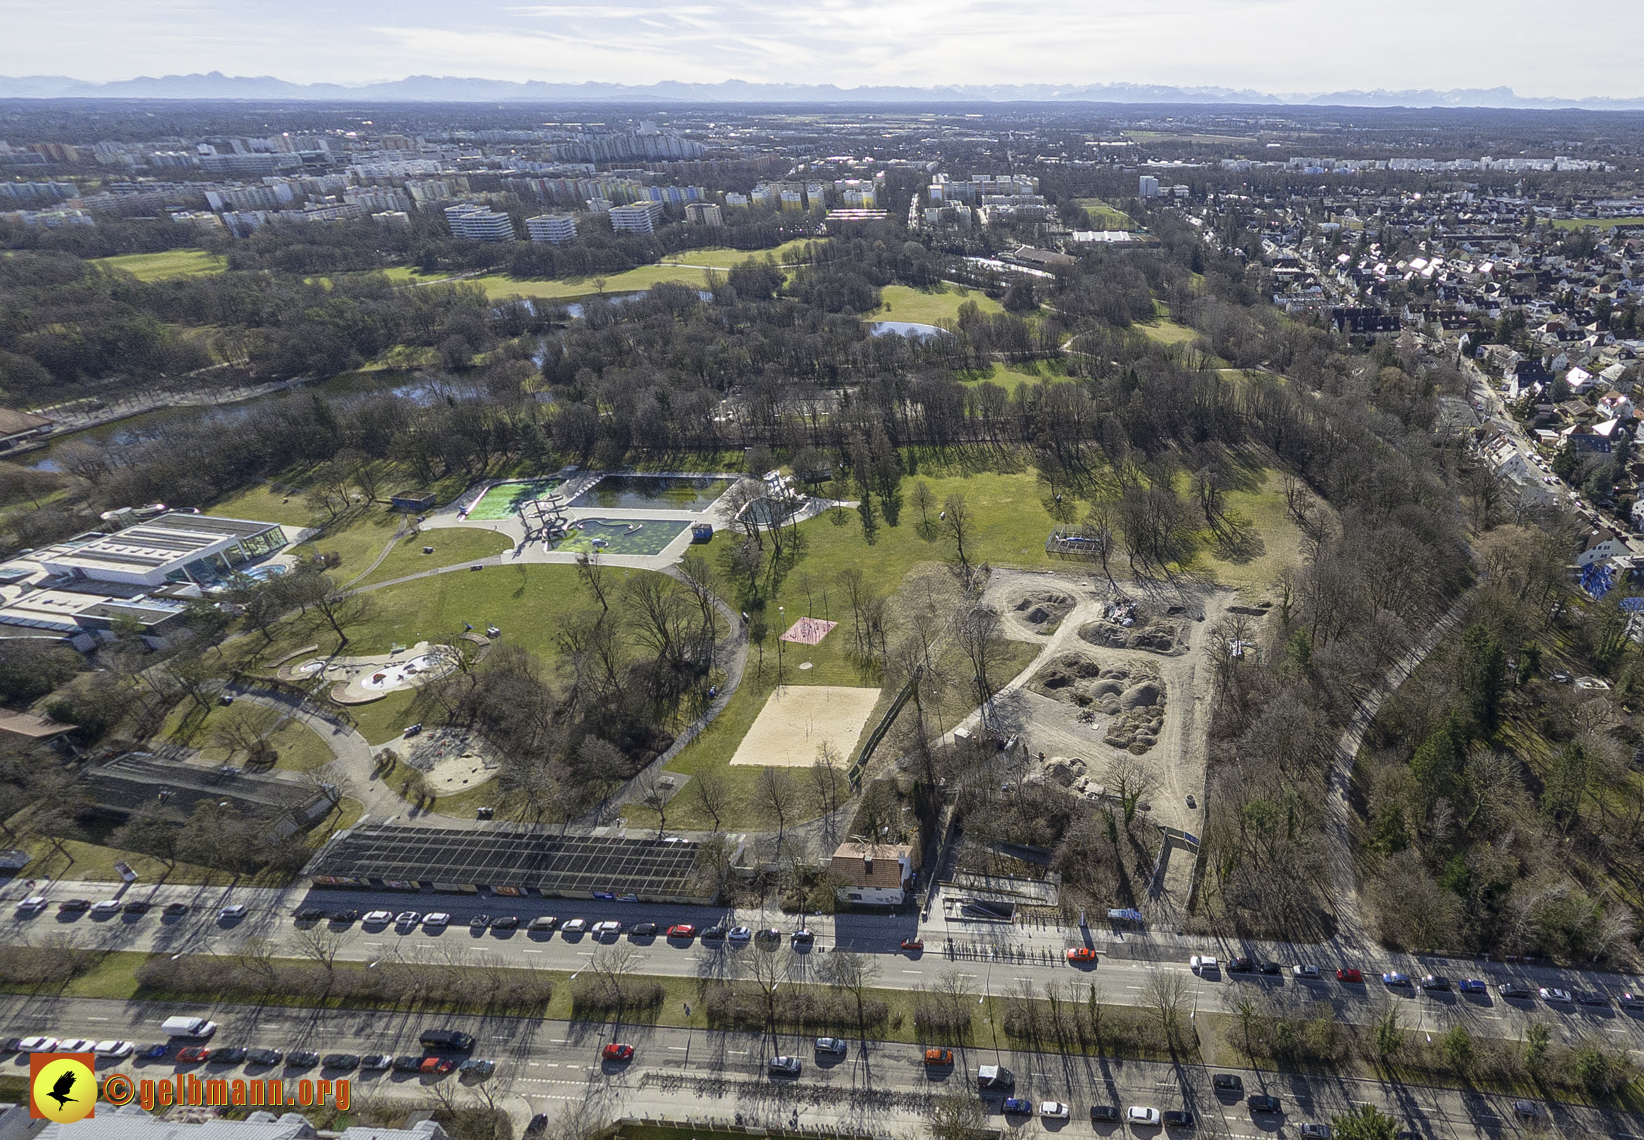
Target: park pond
x=907, y=328
x=654, y=492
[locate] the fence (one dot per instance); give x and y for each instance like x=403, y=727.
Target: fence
x=879, y=730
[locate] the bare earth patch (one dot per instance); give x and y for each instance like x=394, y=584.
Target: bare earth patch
x=797, y=719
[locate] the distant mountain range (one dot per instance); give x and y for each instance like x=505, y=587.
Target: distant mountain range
x=437, y=89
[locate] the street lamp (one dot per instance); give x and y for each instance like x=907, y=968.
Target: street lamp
x=781, y=622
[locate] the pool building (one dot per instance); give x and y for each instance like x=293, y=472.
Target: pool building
x=145, y=573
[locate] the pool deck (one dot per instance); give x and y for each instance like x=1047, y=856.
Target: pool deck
x=514, y=529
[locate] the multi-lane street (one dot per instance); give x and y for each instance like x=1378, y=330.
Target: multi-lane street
x=543, y=1066
x=991, y=956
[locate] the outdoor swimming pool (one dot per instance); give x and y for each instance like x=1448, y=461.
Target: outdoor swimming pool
x=622, y=536
x=505, y=499
x=654, y=492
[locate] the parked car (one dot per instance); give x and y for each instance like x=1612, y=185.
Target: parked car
x=832, y=1046
x=609, y=926
x=574, y=926
x=347, y=1062
x=542, y=922
x=537, y=1125
x=1514, y=990
x=407, y=918
x=643, y=930
x=1394, y=978
x=714, y=933
x=34, y=904
x=1178, y=1118
x=310, y=914
x=938, y=1057
x=172, y=910
x=1555, y=996
x=301, y=1059
x=194, y=1055
x=37, y=1045
x=1591, y=997
x=1268, y=967
x=784, y=1066
x=264, y=1057
x=1104, y=1114
x=1081, y=954
x=1052, y=1110
x=1350, y=974
x=913, y=945
x=1305, y=970
x=1139, y=1114
x=408, y=1063
x=1227, y=1082
x=436, y=1066
x=477, y=1067
x=345, y=917
x=233, y=1055
x=438, y=919
x=73, y=906
x=1435, y=982
x=1202, y=964
x=770, y=935
x=151, y=1052
x=114, y=1050
x=1240, y=965
x=1526, y=1109
x=616, y=1051
x=76, y=1045
x=740, y=934
x=376, y=918
x=107, y=907
x=803, y=937
x=1261, y=1102
x=479, y=922
x=376, y=1062
x=1632, y=1001
x=236, y=911
x=505, y=922
x=1019, y=1105
x=680, y=930
x=1472, y=986
x=1316, y=1131
x=138, y=906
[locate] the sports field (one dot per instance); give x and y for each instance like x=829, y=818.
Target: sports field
x=798, y=719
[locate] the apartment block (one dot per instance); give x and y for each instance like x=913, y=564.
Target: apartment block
x=639, y=218
x=555, y=228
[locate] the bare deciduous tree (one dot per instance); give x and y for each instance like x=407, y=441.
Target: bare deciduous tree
x=775, y=792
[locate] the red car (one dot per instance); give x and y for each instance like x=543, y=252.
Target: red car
x=683, y=930
x=618, y=1052
x=1081, y=954
x=1349, y=974
x=912, y=945
x=437, y=1065
x=194, y=1054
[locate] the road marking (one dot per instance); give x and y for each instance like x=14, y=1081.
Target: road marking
x=677, y=1048
x=96, y=1019
x=533, y=951
x=913, y=971
x=738, y=1052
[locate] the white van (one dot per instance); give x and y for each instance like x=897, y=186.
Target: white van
x=188, y=1027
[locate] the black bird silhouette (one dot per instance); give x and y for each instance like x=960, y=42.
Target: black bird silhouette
x=60, y=1089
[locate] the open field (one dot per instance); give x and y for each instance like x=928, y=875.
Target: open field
x=499, y=286
x=1164, y=330
x=453, y=546
x=296, y=746
x=1597, y=223
x=798, y=719
x=1012, y=376
x=163, y=266
x=1256, y=566
x=904, y=303
x=1104, y=216
x=786, y=253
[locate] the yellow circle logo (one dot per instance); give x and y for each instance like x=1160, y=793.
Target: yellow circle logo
x=65, y=1090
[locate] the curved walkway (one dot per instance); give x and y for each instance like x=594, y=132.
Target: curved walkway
x=351, y=765
x=1350, y=930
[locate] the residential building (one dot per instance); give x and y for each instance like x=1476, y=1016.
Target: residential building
x=479, y=223
x=1147, y=186
x=555, y=228
x=704, y=214
x=393, y=218
x=638, y=218
x=877, y=874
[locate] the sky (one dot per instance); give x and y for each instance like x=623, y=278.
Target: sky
x=1569, y=49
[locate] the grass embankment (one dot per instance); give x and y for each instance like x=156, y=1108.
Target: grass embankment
x=1164, y=330
x=788, y=253
x=1012, y=376
x=929, y=306
x=168, y=264
x=1272, y=539
x=453, y=546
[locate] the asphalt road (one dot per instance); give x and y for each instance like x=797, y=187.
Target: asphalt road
x=992, y=956
x=544, y=1066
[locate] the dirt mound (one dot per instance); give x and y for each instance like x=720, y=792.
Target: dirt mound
x=1131, y=625
x=1041, y=607
x=1132, y=694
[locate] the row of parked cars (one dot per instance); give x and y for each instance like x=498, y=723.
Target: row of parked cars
x=35, y=904
x=678, y=932
x=1203, y=964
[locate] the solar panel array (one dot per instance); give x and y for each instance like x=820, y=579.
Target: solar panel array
x=564, y=865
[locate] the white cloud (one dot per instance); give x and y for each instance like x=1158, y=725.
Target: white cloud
x=1271, y=45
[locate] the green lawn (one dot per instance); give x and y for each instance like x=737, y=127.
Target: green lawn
x=1104, y=216
x=1598, y=223
x=500, y=286
x=1257, y=567
x=453, y=546
x=1012, y=376
x=929, y=307
x=787, y=252
x=357, y=536
x=1164, y=330
x=162, y=266
x=297, y=748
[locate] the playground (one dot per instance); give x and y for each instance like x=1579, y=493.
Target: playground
x=798, y=719
x=362, y=679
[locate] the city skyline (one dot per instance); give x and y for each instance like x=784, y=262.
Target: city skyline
x=1267, y=46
